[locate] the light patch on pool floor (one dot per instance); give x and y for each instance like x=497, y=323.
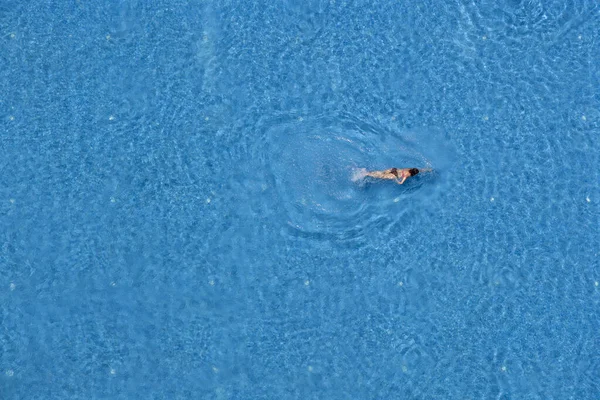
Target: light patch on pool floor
x=10, y=372
x=13, y=286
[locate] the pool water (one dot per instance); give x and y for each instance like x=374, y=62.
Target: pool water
x=178, y=217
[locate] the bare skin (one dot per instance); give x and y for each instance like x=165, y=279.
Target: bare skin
x=398, y=175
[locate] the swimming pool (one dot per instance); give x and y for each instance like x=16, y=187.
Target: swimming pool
x=179, y=219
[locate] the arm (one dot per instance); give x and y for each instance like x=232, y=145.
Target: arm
x=401, y=182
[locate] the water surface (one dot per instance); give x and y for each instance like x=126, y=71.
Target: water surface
x=178, y=219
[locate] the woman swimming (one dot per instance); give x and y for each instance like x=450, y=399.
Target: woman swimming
x=399, y=175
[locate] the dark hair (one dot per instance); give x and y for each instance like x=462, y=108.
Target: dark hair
x=394, y=171
x=413, y=171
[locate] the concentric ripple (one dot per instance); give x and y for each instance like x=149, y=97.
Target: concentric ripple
x=312, y=162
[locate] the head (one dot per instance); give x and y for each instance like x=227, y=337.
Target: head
x=413, y=171
x=394, y=171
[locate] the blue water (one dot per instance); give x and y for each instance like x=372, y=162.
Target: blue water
x=178, y=219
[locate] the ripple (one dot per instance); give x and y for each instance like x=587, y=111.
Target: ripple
x=516, y=19
x=312, y=161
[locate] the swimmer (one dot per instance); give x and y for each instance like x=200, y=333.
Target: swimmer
x=399, y=175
